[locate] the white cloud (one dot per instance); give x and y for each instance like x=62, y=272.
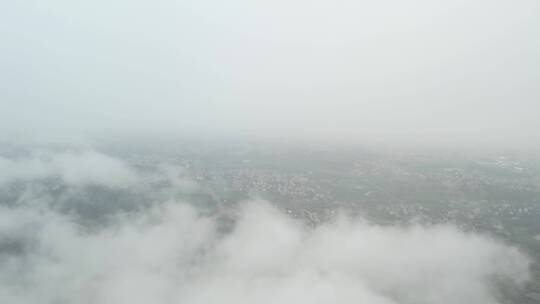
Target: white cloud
x=94, y=168
x=74, y=168
x=170, y=254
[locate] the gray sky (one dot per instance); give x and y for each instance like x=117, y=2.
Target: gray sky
x=430, y=72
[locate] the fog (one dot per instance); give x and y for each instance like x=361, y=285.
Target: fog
x=417, y=72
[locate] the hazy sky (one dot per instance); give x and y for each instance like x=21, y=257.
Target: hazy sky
x=465, y=72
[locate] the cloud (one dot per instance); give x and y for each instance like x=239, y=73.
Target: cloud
x=171, y=253
x=74, y=168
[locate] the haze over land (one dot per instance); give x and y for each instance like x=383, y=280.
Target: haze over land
x=84, y=227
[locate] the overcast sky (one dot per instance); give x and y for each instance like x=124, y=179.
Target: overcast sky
x=465, y=72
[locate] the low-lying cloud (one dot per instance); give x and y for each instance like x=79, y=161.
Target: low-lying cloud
x=162, y=249
x=73, y=168
x=171, y=254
